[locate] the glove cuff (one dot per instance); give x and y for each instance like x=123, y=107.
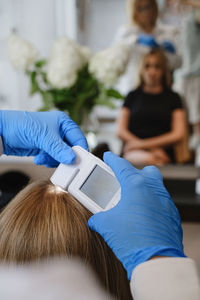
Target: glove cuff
x=141, y=256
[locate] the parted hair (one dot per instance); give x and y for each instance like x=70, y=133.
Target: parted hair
x=131, y=7
x=162, y=61
x=43, y=221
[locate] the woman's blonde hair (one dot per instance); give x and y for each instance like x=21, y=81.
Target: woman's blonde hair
x=43, y=221
x=163, y=62
x=131, y=6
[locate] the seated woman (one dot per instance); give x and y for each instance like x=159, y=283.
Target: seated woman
x=43, y=221
x=152, y=118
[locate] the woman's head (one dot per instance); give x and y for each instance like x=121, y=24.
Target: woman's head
x=143, y=12
x=44, y=221
x=154, y=70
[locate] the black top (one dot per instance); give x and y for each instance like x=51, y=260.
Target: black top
x=151, y=114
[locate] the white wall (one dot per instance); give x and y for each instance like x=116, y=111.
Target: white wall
x=103, y=18
x=8, y=78
x=36, y=23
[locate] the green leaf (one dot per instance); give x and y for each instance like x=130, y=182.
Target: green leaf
x=48, y=100
x=44, y=108
x=113, y=93
x=44, y=77
x=40, y=63
x=34, y=84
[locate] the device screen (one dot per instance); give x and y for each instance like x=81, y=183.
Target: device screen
x=100, y=186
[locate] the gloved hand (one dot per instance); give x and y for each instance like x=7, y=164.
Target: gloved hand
x=147, y=40
x=168, y=46
x=145, y=223
x=46, y=135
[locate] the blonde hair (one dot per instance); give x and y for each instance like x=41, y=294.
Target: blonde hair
x=43, y=221
x=162, y=60
x=131, y=7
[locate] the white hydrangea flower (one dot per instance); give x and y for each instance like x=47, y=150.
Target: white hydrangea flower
x=22, y=53
x=109, y=64
x=86, y=53
x=67, y=58
x=60, y=46
x=60, y=74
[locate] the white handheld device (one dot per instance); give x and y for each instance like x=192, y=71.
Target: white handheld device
x=89, y=180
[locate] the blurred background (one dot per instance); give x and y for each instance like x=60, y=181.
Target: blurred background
x=94, y=24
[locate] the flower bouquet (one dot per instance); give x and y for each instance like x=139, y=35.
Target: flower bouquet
x=71, y=79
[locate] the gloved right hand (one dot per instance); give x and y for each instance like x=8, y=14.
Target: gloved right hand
x=49, y=136
x=145, y=223
x=147, y=40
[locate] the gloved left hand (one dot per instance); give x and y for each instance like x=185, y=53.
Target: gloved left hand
x=46, y=135
x=147, y=40
x=169, y=47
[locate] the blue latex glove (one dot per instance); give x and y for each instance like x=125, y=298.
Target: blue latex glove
x=46, y=135
x=147, y=40
x=168, y=46
x=145, y=223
